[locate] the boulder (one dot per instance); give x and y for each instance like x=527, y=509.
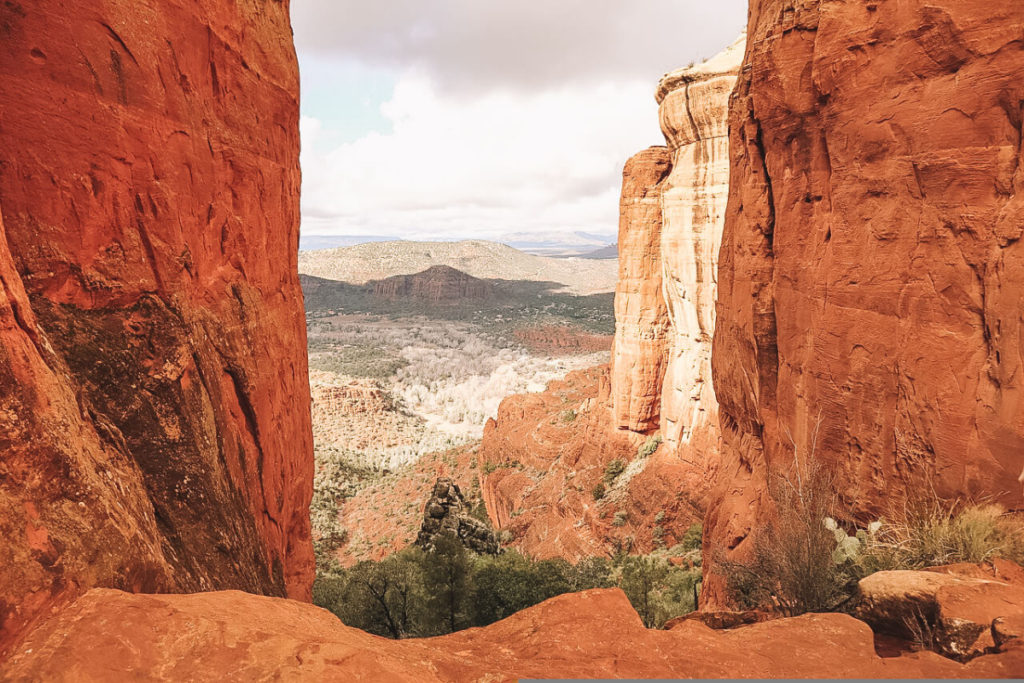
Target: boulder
x=955, y=615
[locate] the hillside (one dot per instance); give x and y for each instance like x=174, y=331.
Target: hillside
x=362, y=263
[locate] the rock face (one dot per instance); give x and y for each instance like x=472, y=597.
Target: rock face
x=694, y=119
x=671, y=218
x=109, y=635
x=543, y=458
x=154, y=409
x=446, y=513
x=435, y=285
x=641, y=318
x=869, y=310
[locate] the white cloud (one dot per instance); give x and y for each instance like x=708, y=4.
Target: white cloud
x=482, y=166
x=470, y=45
x=495, y=117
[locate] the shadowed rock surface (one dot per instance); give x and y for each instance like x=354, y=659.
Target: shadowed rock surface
x=154, y=419
x=446, y=513
x=436, y=285
x=871, y=268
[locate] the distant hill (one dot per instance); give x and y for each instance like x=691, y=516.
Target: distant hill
x=314, y=242
x=607, y=252
x=362, y=263
x=436, y=285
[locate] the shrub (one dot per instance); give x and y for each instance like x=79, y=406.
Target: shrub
x=791, y=568
x=620, y=518
x=612, y=470
x=660, y=517
x=598, y=491
x=569, y=416
x=692, y=539
x=928, y=534
x=657, y=590
x=649, y=446
x=938, y=532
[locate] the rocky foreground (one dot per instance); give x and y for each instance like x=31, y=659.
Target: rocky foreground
x=111, y=635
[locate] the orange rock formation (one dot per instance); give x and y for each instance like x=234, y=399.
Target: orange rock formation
x=110, y=635
x=154, y=418
x=641, y=318
x=542, y=458
x=671, y=218
x=871, y=270
x=672, y=210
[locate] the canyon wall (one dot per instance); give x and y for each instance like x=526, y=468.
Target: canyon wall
x=871, y=270
x=671, y=218
x=154, y=402
x=641, y=318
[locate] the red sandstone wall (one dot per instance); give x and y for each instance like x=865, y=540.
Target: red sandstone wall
x=154, y=403
x=871, y=273
x=641, y=318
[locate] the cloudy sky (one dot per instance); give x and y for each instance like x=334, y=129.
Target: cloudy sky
x=491, y=119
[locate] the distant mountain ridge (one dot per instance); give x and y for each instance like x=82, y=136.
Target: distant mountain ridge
x=362, y=263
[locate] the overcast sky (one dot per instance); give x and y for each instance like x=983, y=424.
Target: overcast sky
x=451, y=119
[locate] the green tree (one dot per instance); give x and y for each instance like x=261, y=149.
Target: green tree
x=380, y=597
x=592, y=572
x=446, y=579
x=642, y=576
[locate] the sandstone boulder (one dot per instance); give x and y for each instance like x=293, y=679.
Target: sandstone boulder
x=954, y=614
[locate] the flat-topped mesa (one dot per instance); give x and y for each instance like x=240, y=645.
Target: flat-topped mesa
x=869, y=313
x=154, y=403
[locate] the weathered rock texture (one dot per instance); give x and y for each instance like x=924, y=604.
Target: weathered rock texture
x=871, y=271
x=641, y=319
x=671, y=217
x=109, y=635
x=694, y=119
x=154, y=415
x=446, y=513
x=542, y=458
x=955, y=614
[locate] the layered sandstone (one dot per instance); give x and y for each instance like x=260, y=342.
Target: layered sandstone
x=671, y=217
x=641, y=319
x=110, y=635
x=871, y=269
x=154, y=416
x=693, y=110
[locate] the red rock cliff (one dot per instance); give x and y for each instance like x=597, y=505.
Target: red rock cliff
x=154, y=404
x=671, y=218
x=641, y=319
x=871, y=271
